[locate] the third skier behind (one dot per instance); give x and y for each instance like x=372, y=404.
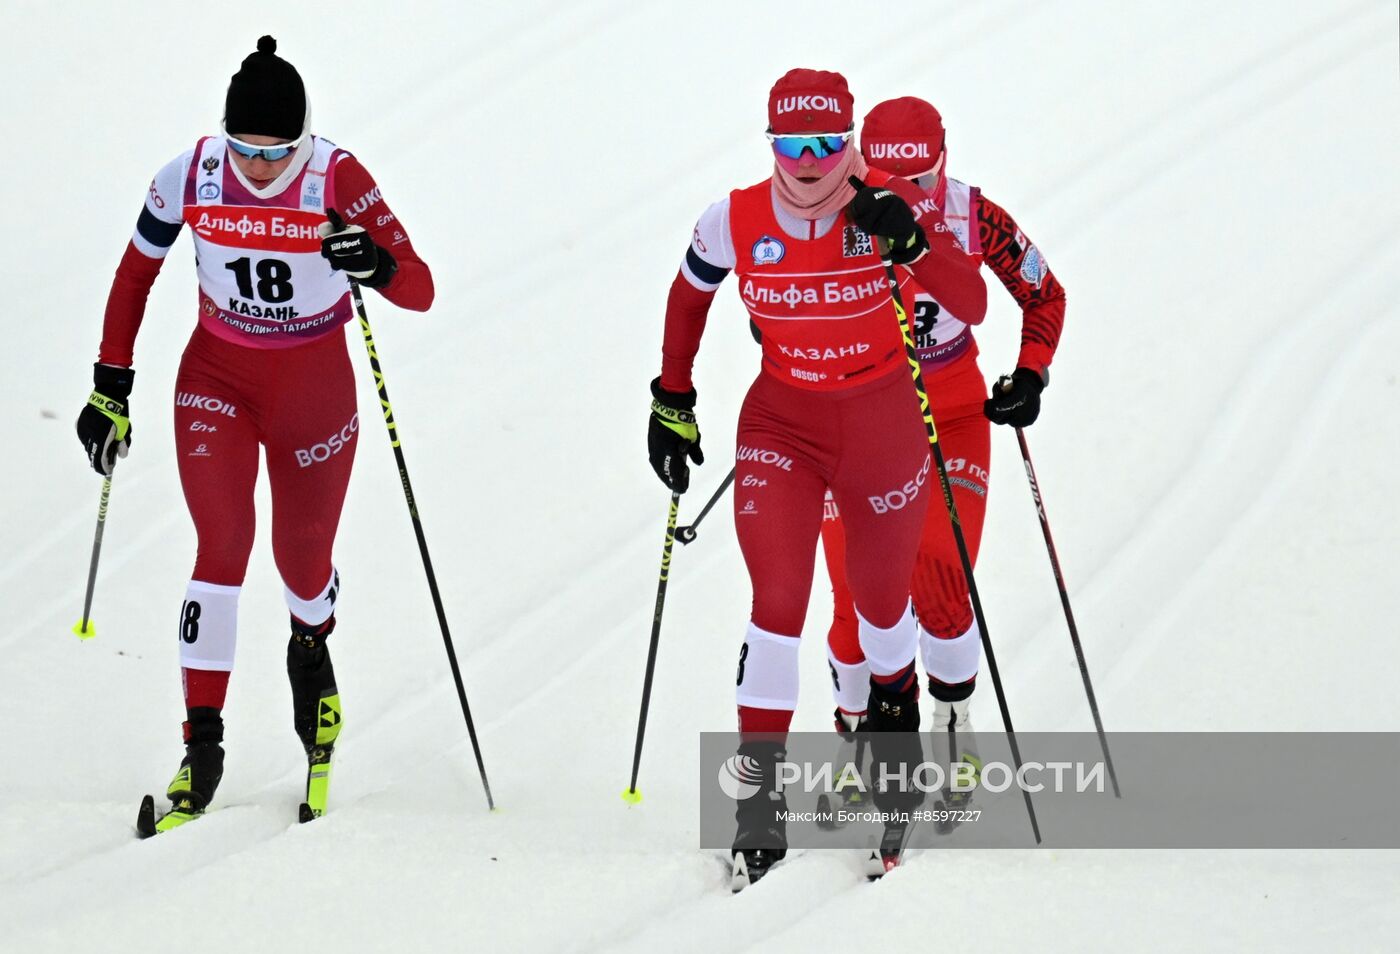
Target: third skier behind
x=905, y=137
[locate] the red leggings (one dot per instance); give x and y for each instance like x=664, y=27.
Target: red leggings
x=868, y=445
x=937, y=586
x=299, y=404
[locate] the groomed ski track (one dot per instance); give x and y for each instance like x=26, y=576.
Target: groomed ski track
x=1216, y=187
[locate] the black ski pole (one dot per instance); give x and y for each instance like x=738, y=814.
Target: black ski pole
x=86, y=629
x=687, y=533
x=631, y=795
x=417, y=523
x=1064, y=600
x=936, y=451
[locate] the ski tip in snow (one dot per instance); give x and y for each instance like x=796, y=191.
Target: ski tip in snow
x=890, y=853
x=749, y=867
x=306, y=814
x=181, y=812
x=880, y=864
x=739, y=874
x=146, y=818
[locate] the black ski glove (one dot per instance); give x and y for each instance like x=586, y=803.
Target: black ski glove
x=350, y=249
x=1015, y=398
x=672, y=436
x=104, y=425
x=882, y=212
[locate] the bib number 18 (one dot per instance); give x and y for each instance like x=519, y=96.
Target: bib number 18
x=274, y=276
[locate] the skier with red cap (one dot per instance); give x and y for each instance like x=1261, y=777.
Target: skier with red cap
x=905, y=137
x=266, y=365
x=831, y=408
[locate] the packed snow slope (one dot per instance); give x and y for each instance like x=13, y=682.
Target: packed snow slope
x=1215, y=184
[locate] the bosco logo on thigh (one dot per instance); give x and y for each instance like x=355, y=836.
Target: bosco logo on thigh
x=335, y=443
x=901, y=497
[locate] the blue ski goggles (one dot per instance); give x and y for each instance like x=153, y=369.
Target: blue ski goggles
x=268, y=153
x=826, y=144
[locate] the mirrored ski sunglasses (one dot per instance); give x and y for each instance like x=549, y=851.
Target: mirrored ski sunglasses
x=268, y=153
x=826, y=144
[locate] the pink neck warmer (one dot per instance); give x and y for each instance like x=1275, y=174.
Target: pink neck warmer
x=823, y=197
x=934, y=183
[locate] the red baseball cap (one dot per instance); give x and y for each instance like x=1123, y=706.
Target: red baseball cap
x=902, y=136
x=810, y=101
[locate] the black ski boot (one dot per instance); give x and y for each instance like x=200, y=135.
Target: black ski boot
x=849, y=787
x=760, y=841
x=193, y=787
x=316, y=712
x=892, y=711
x=848, y=724
x=892, y=718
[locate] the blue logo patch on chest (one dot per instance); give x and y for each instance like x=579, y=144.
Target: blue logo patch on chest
x=209, y=190
x=768, y=251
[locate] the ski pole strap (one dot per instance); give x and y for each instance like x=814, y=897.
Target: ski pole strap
x=111, y=409
x=679, y=420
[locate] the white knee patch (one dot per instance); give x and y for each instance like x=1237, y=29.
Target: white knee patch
x=850, y=683
x=952, y=660
x=319, y=608
x=767, y=670
x=887, y=651
x=208, y=626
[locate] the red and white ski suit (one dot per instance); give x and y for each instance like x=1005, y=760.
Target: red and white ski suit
x=949, y=640
x=832, y=408
x=266, y=365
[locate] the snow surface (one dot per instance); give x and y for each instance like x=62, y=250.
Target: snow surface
x=1216, y=186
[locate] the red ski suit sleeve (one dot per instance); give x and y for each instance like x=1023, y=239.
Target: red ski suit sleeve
x=946, y=271
x=687, y=307
x=362, y=205
x=126, y=306
x=1022, y=269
